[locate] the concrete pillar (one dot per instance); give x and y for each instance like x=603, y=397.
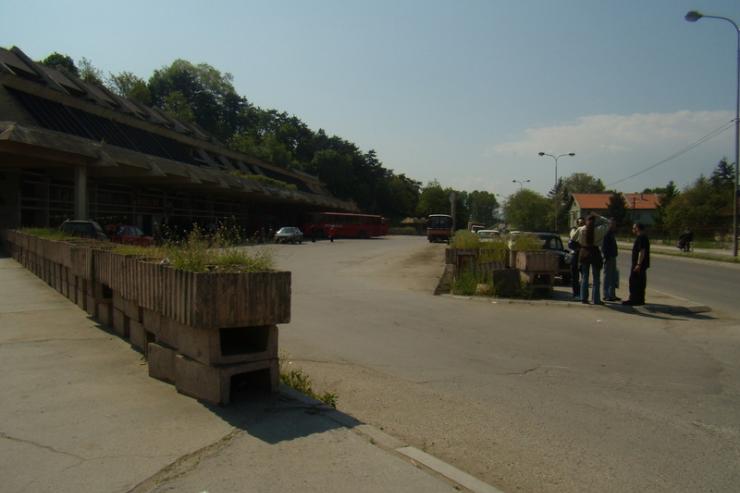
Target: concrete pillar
x=81, y=200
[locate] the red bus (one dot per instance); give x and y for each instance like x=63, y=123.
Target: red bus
x=344, y=224
x=439, y=227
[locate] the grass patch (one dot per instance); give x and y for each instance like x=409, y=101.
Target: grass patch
x=296, y=379
x=219, y=252
x=48, y=233
x=465, y=239
x=729, y=259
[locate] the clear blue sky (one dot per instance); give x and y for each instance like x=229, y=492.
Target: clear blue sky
x=463, y=91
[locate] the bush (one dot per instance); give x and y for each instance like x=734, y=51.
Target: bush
x=524, y=242
x=404, y=230
x=465, y=239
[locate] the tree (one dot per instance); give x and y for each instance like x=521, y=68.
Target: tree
x=90, y=73
x=129, y=85
x=433, y=200
x=176, y=105
x=617, y=207
x=209, y=93
x=528, y=210
x=582, y=183
x=61, y=62
x=701, y=208
x=483, y=207
x=723, y=176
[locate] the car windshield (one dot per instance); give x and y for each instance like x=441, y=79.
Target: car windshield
x=552, y=243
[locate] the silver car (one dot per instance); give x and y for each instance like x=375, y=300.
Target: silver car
x=289, y=234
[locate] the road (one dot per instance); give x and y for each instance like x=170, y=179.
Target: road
x=715, y=284
x=527, y=397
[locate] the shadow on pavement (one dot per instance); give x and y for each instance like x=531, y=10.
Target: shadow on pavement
x=652, y=310
x=280, y=417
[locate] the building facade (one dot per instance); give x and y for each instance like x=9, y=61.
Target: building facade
x=71, y=149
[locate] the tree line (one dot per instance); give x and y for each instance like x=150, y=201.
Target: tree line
x=202, y=95
x=704, y=206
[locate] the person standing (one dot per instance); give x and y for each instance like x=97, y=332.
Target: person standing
x=575, y=248
x=610, y=251
x=639, y=266
x=591, y=237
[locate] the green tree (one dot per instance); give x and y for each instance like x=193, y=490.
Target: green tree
x=699, y=208
x=176, y=105
x=90, y=73
x=433, y=200
x=61, y=62
x=483, y=207
x=129, y=85
x=527, y=210
x=617, y=208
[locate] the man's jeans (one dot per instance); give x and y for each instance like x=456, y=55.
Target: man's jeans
x=610, y=278
x=596, y=285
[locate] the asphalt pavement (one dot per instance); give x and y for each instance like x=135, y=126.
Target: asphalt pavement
x=79, y=413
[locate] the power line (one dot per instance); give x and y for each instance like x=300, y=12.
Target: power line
x=714, y=133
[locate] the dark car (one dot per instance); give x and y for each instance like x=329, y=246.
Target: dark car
x=289, y=234
x=553, y=242
x=128, y=235
x=84, y=229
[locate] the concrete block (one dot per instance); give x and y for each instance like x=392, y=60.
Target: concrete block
x=214, y=383
x=151, y=320
x=161, y=361
x=167, y=333
x=91, y=306
x=104, y=313
x=120, y=323
x=138, y=335
x=227, y=346
x=118, y=303
x=132, y=310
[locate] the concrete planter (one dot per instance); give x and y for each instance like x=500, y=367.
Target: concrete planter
x=537, y=261
x=200, y=330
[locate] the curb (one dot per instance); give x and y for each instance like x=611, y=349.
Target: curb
x=393, y=445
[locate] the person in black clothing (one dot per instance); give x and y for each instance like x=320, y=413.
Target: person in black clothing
x=640, y=265
x=610, y=251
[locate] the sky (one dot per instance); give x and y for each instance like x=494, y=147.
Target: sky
x=466, y=92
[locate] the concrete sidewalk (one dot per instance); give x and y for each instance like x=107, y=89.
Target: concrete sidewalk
x=79, y=413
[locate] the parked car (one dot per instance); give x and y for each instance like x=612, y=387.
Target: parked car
x=487, y=234
x=84, y=229
x=553, y=242
x=129, y=235
x=288, y=234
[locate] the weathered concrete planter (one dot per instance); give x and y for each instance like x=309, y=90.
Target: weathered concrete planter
x=203, y=330
x=537, y=261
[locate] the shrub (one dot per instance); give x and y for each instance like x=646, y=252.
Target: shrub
x=465, y=284
x=493, y=251
x=296, y=379
x=524, y=241
x=465, y=239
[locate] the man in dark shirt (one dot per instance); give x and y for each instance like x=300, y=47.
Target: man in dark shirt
x=640, y=265
x=609, y=250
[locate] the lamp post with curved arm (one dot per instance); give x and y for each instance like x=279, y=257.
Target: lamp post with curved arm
x=570, y=154
x=694, y=16
x=521, y=183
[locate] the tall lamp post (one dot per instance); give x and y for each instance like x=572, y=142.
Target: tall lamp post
x=694, y=16
x=571, y=154
x=521, y=183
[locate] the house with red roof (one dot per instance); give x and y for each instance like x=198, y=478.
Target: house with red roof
x=640, y=206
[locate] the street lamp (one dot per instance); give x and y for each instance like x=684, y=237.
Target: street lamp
x=521, y=183
x=571, y=154
x=694, y=16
